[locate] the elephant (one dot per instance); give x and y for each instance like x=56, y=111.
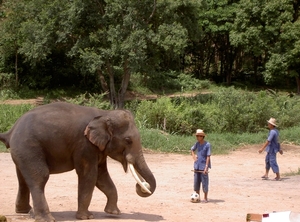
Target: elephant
x=59, y=137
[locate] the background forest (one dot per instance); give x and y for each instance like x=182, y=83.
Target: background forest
x=97, y=45
x=107, y=48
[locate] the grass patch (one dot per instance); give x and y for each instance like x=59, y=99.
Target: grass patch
x=221, y=143
x=160, y=141
x=3, y=148
x=10, y=114
x=292, y=173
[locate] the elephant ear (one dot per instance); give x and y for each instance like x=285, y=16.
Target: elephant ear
x=99, y=131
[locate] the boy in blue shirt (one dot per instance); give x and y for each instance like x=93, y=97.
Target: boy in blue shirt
x=272, y=147
x=201, y=152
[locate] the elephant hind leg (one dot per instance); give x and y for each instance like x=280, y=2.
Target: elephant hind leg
x=36, y=176
x=23, y=197
x=40, y=206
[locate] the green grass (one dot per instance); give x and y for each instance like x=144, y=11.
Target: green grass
x=160, y=141
x=220, y=143
x=3, y=148
x=292, y=173
x=10, y=113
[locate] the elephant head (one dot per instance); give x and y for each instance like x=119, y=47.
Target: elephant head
x=116, y=135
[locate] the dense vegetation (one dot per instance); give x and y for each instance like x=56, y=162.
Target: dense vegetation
x=231, y=117
x=226, y=110
x=100, y=45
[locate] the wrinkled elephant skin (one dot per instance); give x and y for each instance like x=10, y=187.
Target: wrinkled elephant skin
x=60, y=137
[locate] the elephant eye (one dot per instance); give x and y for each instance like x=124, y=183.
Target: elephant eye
x=128, y=140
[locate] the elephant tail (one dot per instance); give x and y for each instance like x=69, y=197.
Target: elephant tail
x=4, y=138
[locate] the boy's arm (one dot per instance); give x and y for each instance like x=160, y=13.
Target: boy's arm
x=264, y=146
x=207, y=164
x=194, y=155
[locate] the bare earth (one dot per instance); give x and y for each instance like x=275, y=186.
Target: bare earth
x=235, y=189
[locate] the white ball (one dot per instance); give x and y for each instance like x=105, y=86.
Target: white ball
x=195, y=198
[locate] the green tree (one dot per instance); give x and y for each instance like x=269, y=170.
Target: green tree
x=216, y=52
x=108, y=39
x=263, y=32
x=284, y=59
x=30, y=36
x=11, y=38
x=134, y=36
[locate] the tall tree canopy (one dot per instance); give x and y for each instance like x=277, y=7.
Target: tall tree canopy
x=267, y=33
x=110, y=38
x=101, y=43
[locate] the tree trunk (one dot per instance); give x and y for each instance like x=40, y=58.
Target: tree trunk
x=124, y=85
x=16, y=69
x=112, y=91
x=103, y=81
x=117, y=100
x=298, y=84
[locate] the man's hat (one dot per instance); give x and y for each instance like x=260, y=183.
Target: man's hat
x=199, y=132
x=272, y=121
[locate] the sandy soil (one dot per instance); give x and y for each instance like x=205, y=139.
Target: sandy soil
x=235, y=189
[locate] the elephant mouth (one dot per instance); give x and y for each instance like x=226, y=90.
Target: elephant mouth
x=145, y=187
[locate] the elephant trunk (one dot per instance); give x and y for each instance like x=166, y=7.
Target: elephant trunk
x=146, y=183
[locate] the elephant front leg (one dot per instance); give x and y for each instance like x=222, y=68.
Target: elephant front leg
x=106, y=185
x=86, y=184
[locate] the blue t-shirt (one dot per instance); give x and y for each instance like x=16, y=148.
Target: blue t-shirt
x=273, y=139
x=203, y=150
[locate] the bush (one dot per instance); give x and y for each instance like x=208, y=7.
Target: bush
x=161, y=114
x=10, y=114
x=8, y=94
x=168, y=81
x=7, y=80
x=188, y=83
x=93, y=100
x=227, y=110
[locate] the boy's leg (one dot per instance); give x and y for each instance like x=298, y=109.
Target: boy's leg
x=205, y=182
x=268, y=166
x=274, y=166
x=197, y=180
x=266, y=175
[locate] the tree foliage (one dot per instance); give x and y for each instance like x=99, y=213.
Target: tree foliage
x=106, y=39
x=97, y=45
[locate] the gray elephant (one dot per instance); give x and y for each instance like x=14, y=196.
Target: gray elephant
x=60, y=137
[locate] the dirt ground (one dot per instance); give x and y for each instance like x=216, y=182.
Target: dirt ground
x=236, y=188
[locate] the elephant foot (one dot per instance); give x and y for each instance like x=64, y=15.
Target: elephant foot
x=84, y=215
x=112, y=210
x=44, y=218
x=23, y=209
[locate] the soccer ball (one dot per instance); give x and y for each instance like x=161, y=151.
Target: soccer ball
x=195, y=198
